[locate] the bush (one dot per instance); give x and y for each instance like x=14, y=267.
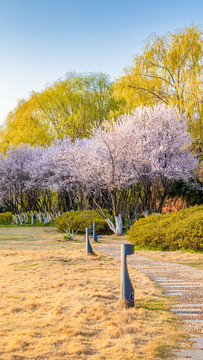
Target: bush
x=178, y=230
x=187, y=191
x=82, y=219
x=6, y=218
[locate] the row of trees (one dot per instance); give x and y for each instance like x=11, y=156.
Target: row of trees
x=169, y=71
x=139, y=154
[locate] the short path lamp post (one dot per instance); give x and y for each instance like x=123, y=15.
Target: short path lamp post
x=127, y=291
x=94, y=231
x=88, y=245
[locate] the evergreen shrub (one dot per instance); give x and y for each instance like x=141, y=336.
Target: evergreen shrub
x=6, y=218
x=172, y=231
x=82, y=219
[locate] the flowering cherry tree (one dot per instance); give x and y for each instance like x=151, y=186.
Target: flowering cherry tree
x=14, y=175
x=160, y=151
x=108, y=168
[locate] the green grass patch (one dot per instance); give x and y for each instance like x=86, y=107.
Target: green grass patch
x=152, y=305
x=27, y=225
x=25, y=266
x=65, y=261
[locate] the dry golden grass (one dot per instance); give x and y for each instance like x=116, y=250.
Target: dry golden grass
x=179, y=257
x=58, y=303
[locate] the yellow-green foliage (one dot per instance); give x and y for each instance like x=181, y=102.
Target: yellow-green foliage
x=169, y=71
x=6, y=218
x=173, y=231
x=68, y=107
x=82, y=219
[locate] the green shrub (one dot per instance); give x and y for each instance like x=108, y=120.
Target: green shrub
x=6, y=218
x=186, y=191
x=173, y=231
x=82, y=219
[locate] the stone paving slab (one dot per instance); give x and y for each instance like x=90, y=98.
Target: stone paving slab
x=185, y=314
x=166, y=280
x=185, y=305
x=198, y=342
x=171, y=282
x=180, y=285
x=184, y=358
x=191, y=310
x=172, y=293
x=195, y=321
x=194, y=354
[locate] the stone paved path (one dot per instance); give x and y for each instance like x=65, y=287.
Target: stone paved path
x=181, y=281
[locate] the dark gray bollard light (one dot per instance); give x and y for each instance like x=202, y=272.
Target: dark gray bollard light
x=127, y=291
x=94, y=231
x=88, y=245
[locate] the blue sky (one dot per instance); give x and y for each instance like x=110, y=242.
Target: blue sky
x=42, y=40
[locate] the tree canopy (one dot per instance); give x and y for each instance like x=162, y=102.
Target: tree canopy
x=68, y=107
x=23, y=125
x=169, y=71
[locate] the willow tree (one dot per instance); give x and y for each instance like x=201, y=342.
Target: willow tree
x=168, y=71
x=23, y=125
x=73, y=104
x=68, y=107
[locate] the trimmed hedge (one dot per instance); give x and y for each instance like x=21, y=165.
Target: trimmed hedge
x=6, y=218
x=173, y=231
x=82, y=219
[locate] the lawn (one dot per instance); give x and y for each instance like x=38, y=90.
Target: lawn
x=59, y=303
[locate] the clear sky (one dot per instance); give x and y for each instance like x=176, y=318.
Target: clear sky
x=42, y=40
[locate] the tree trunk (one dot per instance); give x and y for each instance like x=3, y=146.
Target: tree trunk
x=39, y=217
x=117, y=216
x=119, y=224
x=44, y=218
x=32, y=217
x=15, y=219
x=146, y=213
x=109, y=222
x=20, y=219
x=48, y=218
